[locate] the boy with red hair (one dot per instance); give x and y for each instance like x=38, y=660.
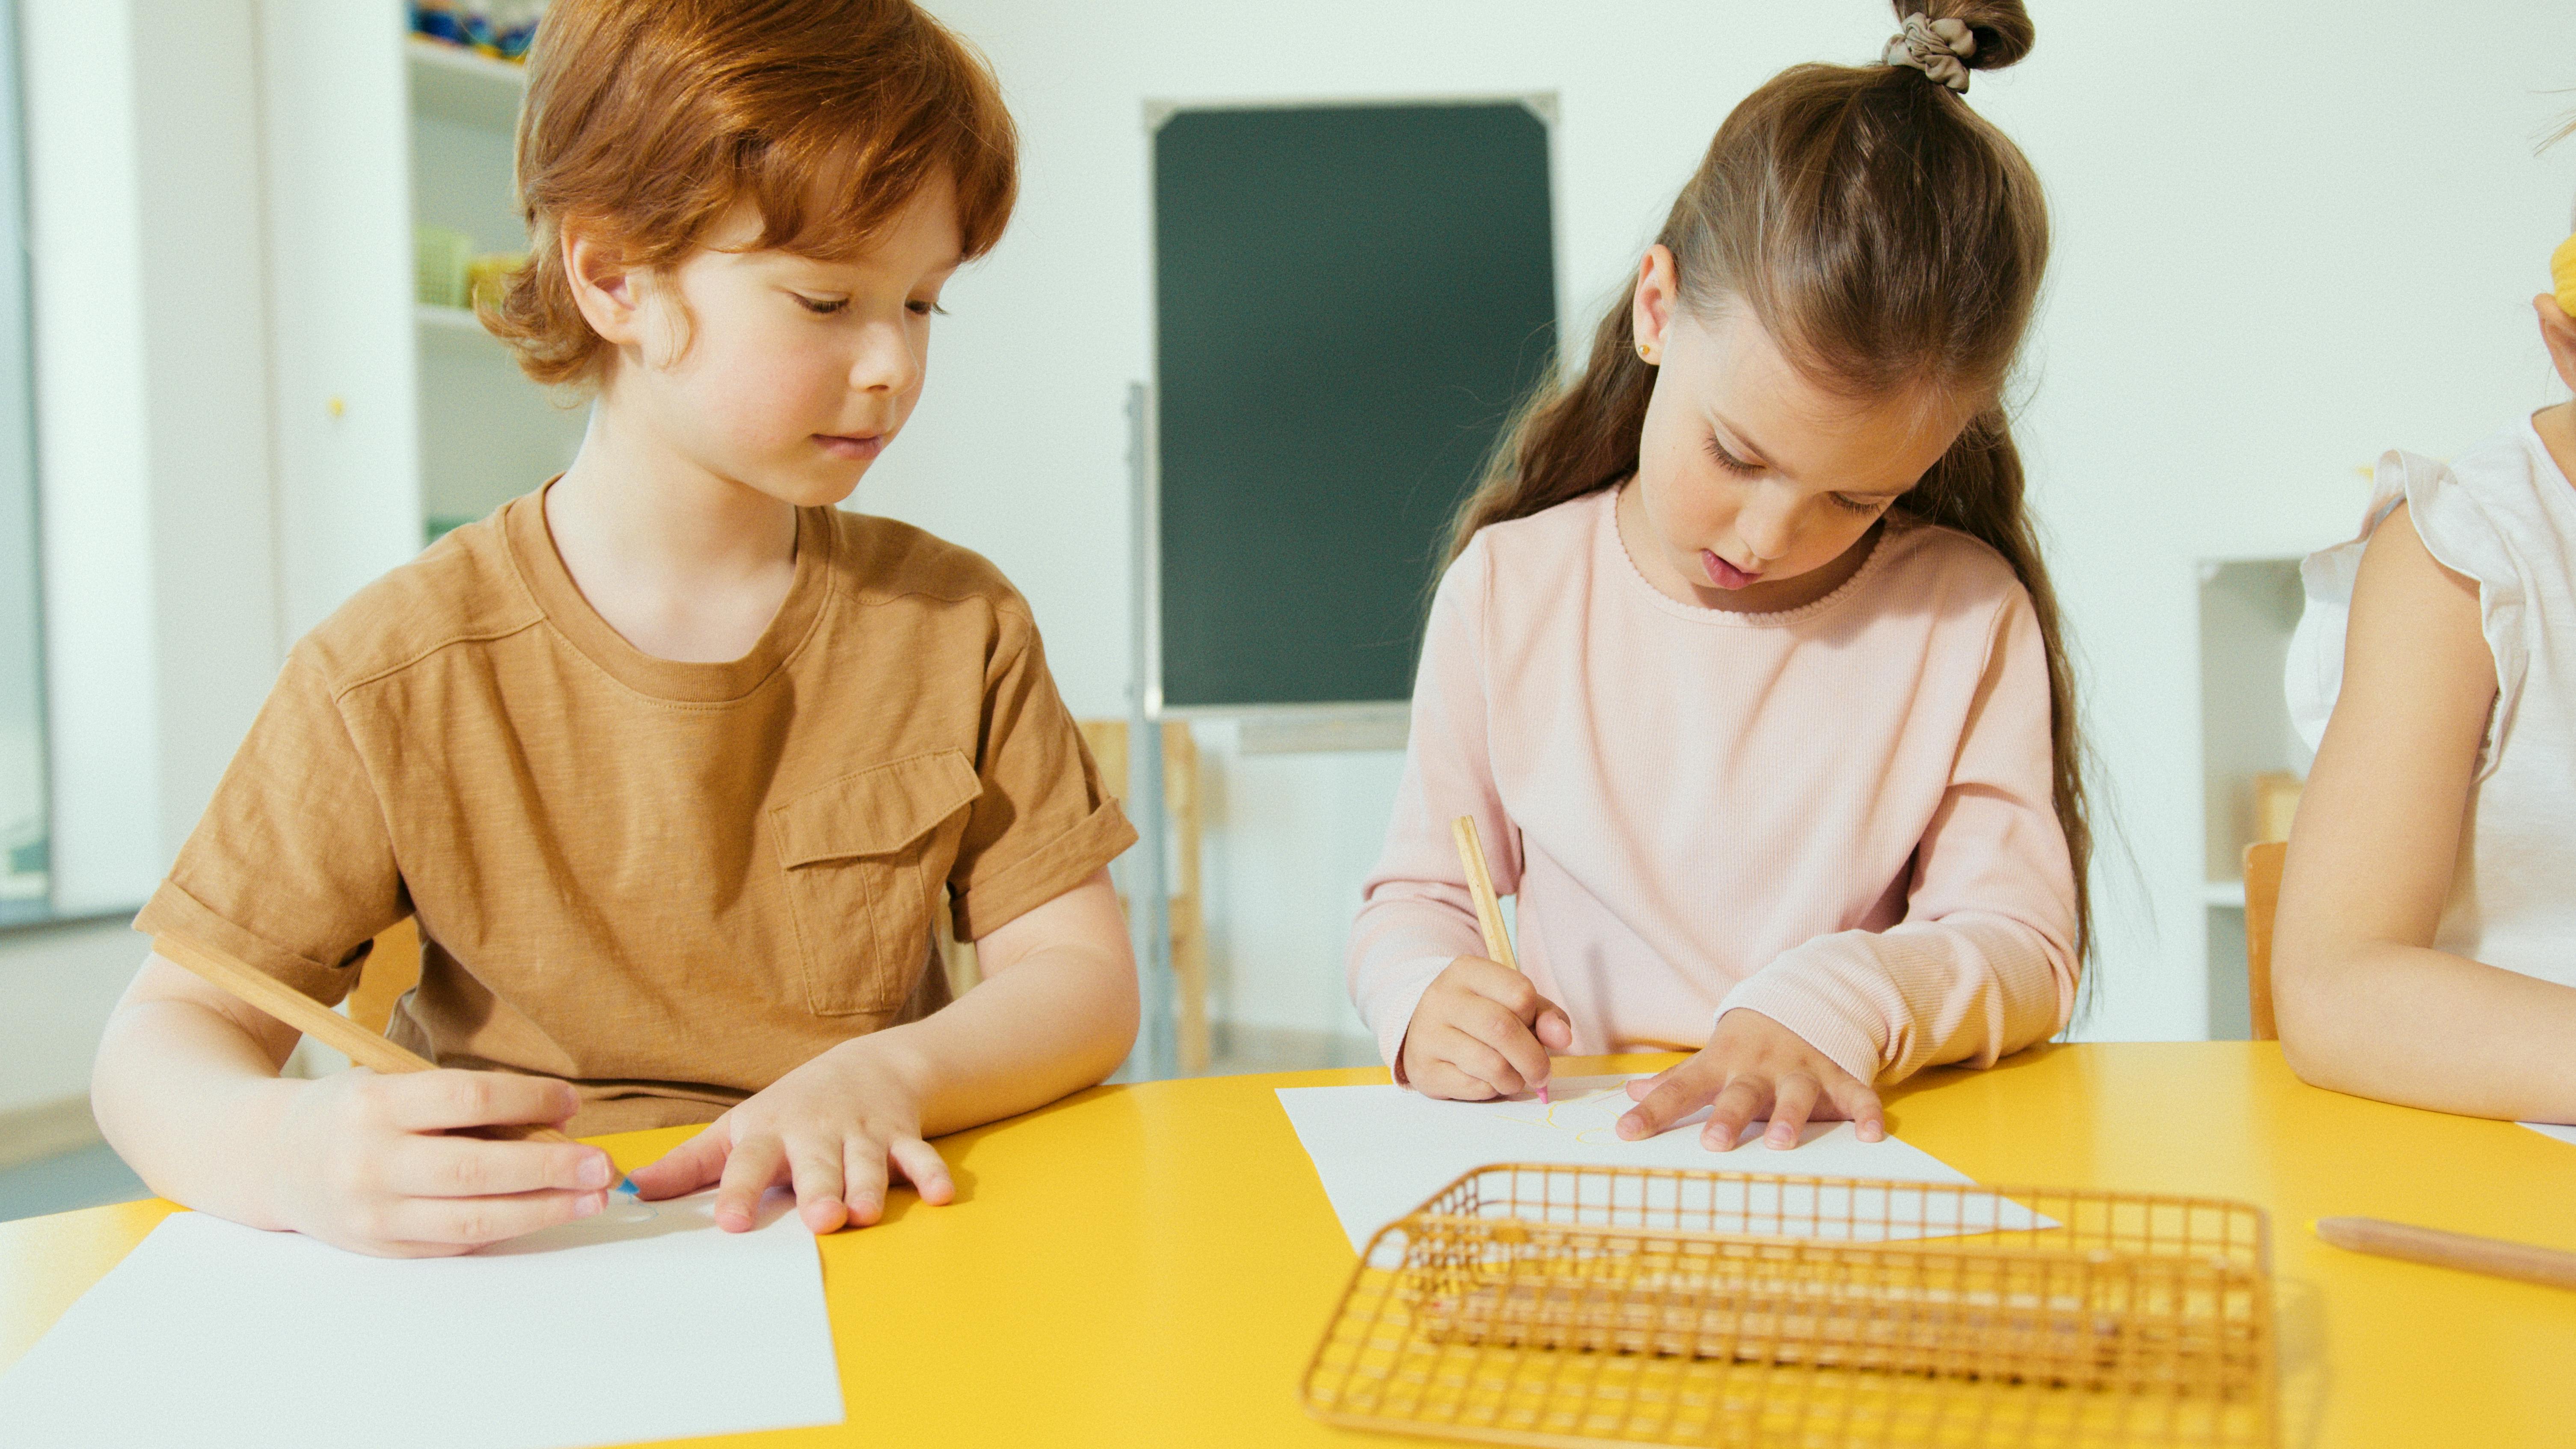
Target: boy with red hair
x=671, y=759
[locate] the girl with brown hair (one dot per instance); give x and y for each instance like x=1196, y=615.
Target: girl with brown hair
x=1745, y=662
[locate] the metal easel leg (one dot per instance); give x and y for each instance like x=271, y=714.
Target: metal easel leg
x=1156, y=1053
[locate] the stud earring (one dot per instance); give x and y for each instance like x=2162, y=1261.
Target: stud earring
x=1646, y=353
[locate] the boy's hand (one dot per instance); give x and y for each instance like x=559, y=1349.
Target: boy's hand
x=1481, y=1031
x=365, y=1162
x=1752, y=1068
x=836, y=1129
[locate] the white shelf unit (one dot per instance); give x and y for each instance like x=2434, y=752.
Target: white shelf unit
x=486, y=433
x=2248, y=609
x=464, y=86
x=391, y=420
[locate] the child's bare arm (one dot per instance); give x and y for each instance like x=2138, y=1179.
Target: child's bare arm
x=2365, y=1005
x=186, y=1088
x=1056, y=1012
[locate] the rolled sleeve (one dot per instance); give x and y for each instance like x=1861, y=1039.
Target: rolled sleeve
x=1044, y=822
x=1984, y=962
x=291, y=869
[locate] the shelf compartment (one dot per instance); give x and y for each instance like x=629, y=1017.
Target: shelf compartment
x=460, y=85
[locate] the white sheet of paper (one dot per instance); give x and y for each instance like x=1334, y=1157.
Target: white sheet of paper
x=627, y=1326
x=2552, y=1129
x=1381, y=1150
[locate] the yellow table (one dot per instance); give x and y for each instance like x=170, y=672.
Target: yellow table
x=1151, y=1265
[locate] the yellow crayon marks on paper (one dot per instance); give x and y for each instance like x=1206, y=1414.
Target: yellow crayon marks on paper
x=1587, y=1115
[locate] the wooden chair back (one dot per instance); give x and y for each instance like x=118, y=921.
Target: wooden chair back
x=391, y=969
x=1187, y=917
x=2262, y=902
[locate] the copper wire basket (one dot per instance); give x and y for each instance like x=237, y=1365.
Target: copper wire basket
x=1593, y=1305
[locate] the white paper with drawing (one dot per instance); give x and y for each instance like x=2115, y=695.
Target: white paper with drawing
x=1381, y=1150
x=634, y=1325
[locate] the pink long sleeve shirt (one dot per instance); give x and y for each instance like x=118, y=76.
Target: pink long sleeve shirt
x=1839, y=816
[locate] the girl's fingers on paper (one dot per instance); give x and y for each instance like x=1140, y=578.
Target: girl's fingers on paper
x=473, y=1221
x=436, y=1166
x=1639, y=1088
x=925, y=1169
x=1855, y=1102
x=1792, y=1103
x=823, y=1200
x=866, y=1164
x=441, y=1101
x=752, y=1168
x=1672, y=1096
x=686, y=1168
x=1741, y=1104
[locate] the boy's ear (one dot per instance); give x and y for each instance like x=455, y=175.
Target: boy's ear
x=2558, y=334
x=1658, y=291
x=609, y=295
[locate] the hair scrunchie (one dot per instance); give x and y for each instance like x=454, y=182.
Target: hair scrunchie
x=2562, y=275
x=1938, y=48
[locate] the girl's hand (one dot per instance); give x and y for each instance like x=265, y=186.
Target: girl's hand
x=365, y=1162
x=1481, y=1031
x=1752, y=1068
x=836, y=1129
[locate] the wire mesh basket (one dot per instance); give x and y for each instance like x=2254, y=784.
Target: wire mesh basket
x=1593, y=1305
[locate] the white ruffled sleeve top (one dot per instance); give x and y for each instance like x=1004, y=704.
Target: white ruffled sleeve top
x=2504, y=516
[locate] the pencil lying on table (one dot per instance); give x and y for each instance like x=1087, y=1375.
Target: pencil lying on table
x=324, y=1025
x=1489, y=909
x=2451, y=1250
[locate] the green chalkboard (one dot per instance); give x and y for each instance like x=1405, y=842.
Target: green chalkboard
x=1350, y=299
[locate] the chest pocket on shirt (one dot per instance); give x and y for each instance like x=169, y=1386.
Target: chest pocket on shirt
x=865, y=856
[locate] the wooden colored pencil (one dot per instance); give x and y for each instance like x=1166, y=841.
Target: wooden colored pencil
x=1489, y=907
x=2494, y=1256
x=319, y=1022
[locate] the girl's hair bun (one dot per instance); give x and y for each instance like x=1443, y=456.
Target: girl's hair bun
x=2002, y=27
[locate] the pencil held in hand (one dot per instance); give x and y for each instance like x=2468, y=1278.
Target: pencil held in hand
x=302, y=1012
x=1489, y=909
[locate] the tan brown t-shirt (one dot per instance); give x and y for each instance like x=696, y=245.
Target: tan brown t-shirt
x=667, y=883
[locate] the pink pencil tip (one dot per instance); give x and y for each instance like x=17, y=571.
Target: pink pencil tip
x=1542, y=1095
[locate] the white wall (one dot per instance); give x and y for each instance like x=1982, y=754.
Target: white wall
x=56, y=987
x=1289, y=840
x=153, y=462
x=2279, y=254
x=2287, y=238
x=345, y=385
x=152, y=427
x=85, y=245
